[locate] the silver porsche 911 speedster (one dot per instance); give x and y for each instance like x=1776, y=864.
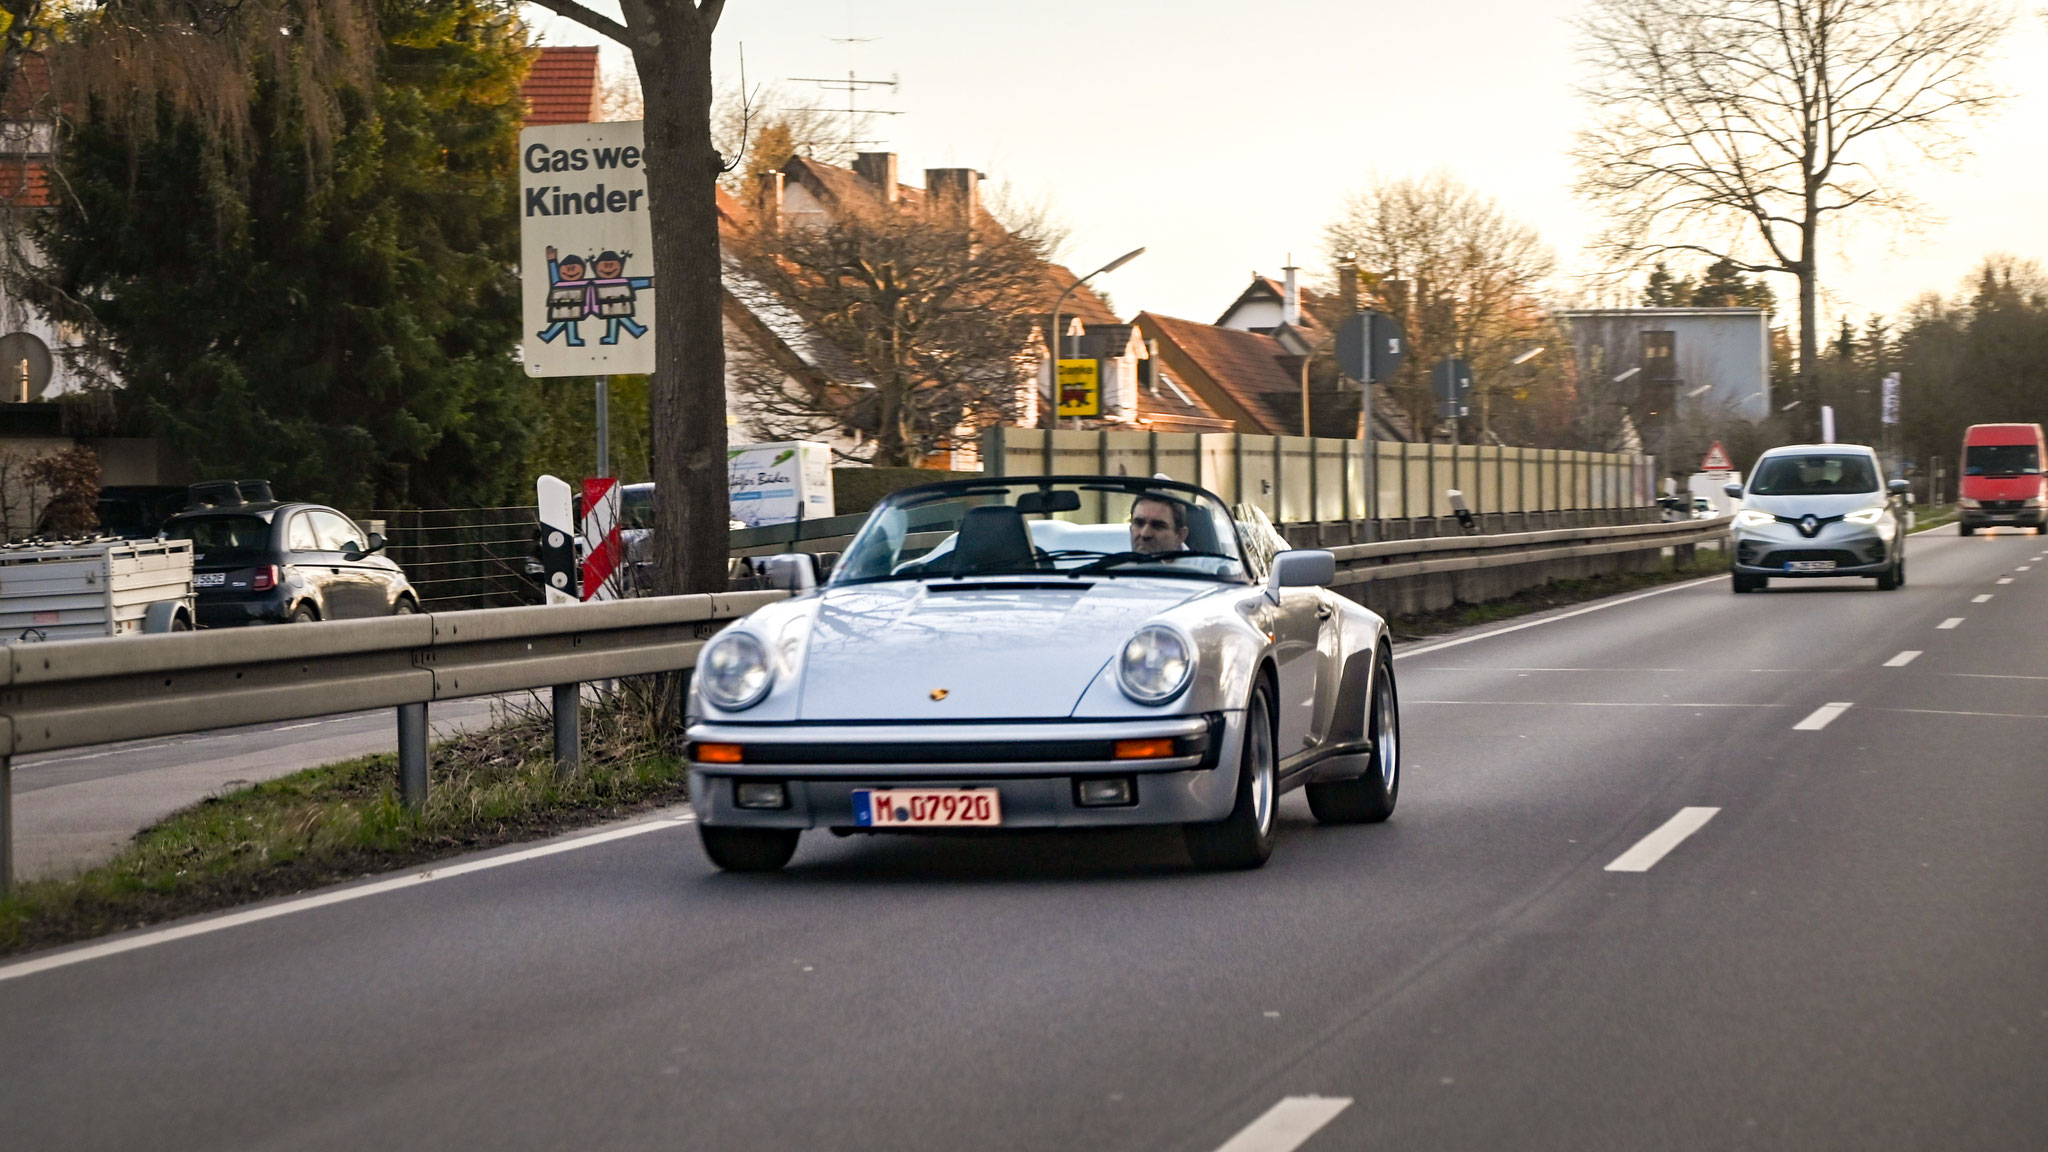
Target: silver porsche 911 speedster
x=1045, y=652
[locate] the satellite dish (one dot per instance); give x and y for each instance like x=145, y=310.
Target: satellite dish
x=24, y=367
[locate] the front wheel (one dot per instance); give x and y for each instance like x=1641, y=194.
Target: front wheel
x=1965, y=530
x=304, y=615
x=749, y=849
x=1891, y=578
x=1370, y=798
x=1741, y=583
x=1244, y=839
x=405, y=607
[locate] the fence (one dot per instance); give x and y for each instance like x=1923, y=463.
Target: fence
x=1299, y=479
x=463, y=557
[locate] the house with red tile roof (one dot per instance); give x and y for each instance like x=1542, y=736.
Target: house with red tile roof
x=1254, y=378
x=563, y=87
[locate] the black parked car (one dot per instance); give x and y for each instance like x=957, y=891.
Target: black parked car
x=272, y=562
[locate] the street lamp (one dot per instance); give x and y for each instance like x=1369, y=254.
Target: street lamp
x=1057, y=342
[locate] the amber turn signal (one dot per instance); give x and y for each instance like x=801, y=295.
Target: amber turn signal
x=717, y=754
x=1159, y=749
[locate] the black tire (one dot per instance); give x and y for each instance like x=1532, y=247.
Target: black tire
x=181, y=624
x=405, y=607
x=1965, y=530
x=1740, y=583
x=749, y=849
x=1891, y=578
x=304, y=614
x=1244, y=839
x=1370, y=798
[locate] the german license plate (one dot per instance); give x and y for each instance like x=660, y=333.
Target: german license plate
x=926, y=807
x=1810, y=566
x=209, y=579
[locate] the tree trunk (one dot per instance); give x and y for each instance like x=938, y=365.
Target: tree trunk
x=686, y=396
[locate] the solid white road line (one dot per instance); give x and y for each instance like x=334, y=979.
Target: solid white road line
x=1287, y=1125
x=1822, y=717
x=1949, y=623
x=1980, y=599
x=1903, y=659
x=340, y=896
x=1656, y=845
x=1602, y=606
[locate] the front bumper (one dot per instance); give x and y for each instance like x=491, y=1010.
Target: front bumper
x=2003, y=517
x=1032, y=766
x=1773, y=549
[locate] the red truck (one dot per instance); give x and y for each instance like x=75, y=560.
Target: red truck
x=2002, y=480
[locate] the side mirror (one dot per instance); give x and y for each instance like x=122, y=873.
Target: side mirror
x=1899, y=487
x=790, y=571
x=1734, y=491
x=376, y=544
x=1301, y=568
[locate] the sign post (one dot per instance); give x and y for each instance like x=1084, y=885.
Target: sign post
x=1079, y=388
x=585, y=247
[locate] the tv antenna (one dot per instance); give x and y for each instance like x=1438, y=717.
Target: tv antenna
x=853, y=85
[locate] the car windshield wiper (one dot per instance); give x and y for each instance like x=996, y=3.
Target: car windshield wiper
x=1115, y=559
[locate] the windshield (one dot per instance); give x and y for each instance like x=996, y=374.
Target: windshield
x=216, y=537
x=1047, y=527
x=1814, y=474
x=2002, y=460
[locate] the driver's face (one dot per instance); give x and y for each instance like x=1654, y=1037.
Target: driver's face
x=1152, y=529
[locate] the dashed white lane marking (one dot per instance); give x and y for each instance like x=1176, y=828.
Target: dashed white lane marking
x=1822, y=717
x=1287, y=1125
x=1903, y=658
x=339, y=896
x=1600, y=607
x=1980, y=599
x=1951, y=622
x=1658, y=844
x=2005, y=580
x=2024, y=568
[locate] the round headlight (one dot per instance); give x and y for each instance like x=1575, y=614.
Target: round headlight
x=733, y=671
x=1156, y=663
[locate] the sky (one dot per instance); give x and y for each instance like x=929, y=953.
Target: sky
x=1224, y=137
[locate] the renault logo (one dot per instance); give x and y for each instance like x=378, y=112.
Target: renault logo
x=1809, y=524
x=940, y=694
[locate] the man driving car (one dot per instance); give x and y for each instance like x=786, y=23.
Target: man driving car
x=1158, y=525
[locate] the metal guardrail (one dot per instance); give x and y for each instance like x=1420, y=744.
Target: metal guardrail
x=75, y=693
x=1390, y=559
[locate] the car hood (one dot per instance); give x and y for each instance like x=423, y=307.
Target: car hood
x=947, y=650
x=1821, y=506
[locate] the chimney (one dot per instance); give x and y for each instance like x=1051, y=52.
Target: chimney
x=1347, y=282
x=768, y=200
x=879, y=169
x=956, y=190
x=1290, y=297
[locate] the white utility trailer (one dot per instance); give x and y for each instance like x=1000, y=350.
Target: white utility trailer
x=69, y=591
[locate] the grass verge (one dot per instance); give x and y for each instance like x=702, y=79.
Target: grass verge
x=1556, y=594
x=342, y=821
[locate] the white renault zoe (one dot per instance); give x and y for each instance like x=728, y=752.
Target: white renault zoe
x=1818, y=510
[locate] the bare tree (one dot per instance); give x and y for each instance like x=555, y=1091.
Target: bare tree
x=1464, y=276
x=670, y=41
x=1738, y=129
x=924, y=314
x=763, y=127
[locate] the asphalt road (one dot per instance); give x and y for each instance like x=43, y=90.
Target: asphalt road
x=1679, y=871
x=76, y=808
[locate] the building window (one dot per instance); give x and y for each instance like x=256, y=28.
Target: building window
x=1660, y=356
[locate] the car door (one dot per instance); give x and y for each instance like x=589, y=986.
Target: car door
x=315, y=566
x=356, y=589
x=1298, y=627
